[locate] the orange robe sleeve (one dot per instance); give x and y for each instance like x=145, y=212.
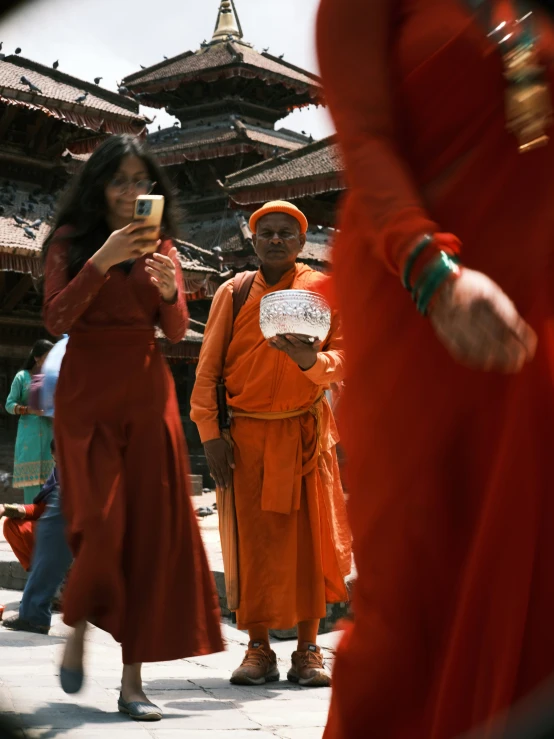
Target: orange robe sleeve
x=174, y=316
x=217, y=337
x=354, y=38
x=65, y=301
x=329, y=366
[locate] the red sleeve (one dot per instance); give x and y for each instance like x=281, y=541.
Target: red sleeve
x=34, y=512
x=65, y=301
x=174, y=316
x=354, y=38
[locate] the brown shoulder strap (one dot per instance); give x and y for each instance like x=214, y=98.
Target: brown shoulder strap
x=242, y=284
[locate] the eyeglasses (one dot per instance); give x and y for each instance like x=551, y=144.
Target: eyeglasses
x=121, y=185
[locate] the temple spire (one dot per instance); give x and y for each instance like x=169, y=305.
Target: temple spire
x=227, y=23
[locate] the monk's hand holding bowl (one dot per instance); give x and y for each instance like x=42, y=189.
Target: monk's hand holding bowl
x=161, y=269
x=480, y=326
x=221, y=462
x=300, y=349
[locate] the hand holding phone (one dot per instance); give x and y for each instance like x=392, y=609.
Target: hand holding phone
x=131, y=242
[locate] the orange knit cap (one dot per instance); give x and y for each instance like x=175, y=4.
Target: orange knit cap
x=279, y=206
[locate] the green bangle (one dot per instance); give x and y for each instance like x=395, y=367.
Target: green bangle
x=414, y=254
x=442, y=268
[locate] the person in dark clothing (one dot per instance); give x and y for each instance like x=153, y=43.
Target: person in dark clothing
x=50, y=555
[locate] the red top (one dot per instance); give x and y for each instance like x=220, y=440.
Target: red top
x=91, y=300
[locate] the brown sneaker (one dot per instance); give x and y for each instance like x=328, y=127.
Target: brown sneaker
x=258, y=667
x=308, y=669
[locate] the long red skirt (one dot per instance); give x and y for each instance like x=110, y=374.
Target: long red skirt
x=140, y=569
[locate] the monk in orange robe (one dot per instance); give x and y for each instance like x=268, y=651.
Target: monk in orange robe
x=447, y=422
x=293, y=540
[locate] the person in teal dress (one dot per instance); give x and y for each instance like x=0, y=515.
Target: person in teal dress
x=32, y=460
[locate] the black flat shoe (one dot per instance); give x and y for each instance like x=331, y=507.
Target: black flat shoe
x=71, y=680
x=20, y=624
x=139, y=710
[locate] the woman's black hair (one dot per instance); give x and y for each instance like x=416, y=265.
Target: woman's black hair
x=84, y=205
x=40, y=348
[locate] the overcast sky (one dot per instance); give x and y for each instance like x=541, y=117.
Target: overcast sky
x=112, y=38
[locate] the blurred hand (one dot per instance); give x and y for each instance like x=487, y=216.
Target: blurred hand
x=299, y=350
x=480, y=326
x=17, y=511
x=162, y=274
x=131, y=242
x=221, y=462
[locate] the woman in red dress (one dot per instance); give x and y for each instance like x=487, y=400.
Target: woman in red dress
x=140, y=570
x=449, y=465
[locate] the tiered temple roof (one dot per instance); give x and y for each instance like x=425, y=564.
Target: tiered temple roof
x=89, y=108
x=227, y=65
x=312, y=170
x=220, y=138
x=228, y=97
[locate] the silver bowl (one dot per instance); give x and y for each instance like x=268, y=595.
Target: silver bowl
x=299, y=312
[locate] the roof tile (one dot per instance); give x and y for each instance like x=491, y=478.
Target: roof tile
x=58, y=87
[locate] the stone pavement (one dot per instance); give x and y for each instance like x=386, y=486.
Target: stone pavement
x=13, y=576
x=197, y=699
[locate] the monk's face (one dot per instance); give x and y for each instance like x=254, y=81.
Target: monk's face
x=278, y=240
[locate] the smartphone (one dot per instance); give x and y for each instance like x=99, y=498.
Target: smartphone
x=149, y=209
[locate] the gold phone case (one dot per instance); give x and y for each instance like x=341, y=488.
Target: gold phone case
x=149, y=209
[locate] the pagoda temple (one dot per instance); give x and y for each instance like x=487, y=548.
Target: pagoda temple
x=227, y=98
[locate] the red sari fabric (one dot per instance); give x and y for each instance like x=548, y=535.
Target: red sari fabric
x=140, y=569
x=449, y=470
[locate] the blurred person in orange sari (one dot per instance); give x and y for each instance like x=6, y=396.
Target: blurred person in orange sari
x=443, y=109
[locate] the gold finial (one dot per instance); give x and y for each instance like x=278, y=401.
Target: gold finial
x=227, y=23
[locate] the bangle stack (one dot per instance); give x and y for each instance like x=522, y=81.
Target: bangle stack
x=441, y=269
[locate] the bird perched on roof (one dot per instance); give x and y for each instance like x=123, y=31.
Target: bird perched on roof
x=123, y=90
x=82, y=98
x=98, y=80
x=176, y=124
x=56, y=64
x=20, y=221
x=18, y=50
x=142, y=67
x=165, y=57
x=30, y=85
x=265, y=50
x=159, y=128
x=36, y=223
x=281, y=56
x=29, y=232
